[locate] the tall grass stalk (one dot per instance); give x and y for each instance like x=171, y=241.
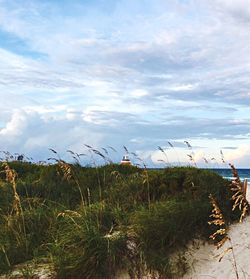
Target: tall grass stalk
x=146, y=181
x=165, y=155
x=6, y=256
x=239, y=202
x=17, y=210
x=68, y=174
x=176, y=154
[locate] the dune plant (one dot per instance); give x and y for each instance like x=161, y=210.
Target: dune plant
x=238, y=197
x=220, y=236
x=176, y=154
x=17, y=210
x=192, y=154
x=68, y=174
x=98, y=221
x=166, y=161
x=86, y=246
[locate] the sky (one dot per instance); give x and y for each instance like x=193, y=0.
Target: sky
x=128, y=73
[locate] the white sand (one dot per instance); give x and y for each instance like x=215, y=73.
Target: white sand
x=204, y=264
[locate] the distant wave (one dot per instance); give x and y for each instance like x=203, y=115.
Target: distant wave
x=241, y=178
x=227, y=173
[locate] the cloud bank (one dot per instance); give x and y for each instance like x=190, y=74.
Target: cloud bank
x=125, y=73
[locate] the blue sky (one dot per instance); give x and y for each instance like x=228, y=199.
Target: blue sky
x=122, y=72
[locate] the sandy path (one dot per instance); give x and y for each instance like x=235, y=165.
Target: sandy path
x=204, y=264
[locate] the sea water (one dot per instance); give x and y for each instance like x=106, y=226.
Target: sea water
x=227, y=173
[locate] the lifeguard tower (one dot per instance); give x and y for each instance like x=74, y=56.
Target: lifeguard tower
x=125, y=160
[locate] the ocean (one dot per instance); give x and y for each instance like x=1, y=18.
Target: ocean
x=227, y=173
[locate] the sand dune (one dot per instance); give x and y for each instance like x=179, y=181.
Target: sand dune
x=204, y=263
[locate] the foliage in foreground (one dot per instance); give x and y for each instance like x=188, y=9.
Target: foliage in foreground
x=96, y=222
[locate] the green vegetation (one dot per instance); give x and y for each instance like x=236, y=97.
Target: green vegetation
x=95, y=222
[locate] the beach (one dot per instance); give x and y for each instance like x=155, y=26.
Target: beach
x=204, y=261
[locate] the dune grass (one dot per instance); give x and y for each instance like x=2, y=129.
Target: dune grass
x=93, y=222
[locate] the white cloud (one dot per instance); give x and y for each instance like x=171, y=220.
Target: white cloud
x=236, y=155
x=138, y=93
x=183, y=87
x=166, y=70
x=15, y=126
x=239, y=9
x=33, y=133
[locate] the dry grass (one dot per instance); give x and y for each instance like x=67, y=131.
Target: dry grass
x=218, y=221
x=239, y=202
x=221, y=234
x=238, y=197
x=11, y=177
x=16, y=211
x=69, y=173
x=191, y=155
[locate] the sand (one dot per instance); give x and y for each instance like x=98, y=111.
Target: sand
x=204, y=264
